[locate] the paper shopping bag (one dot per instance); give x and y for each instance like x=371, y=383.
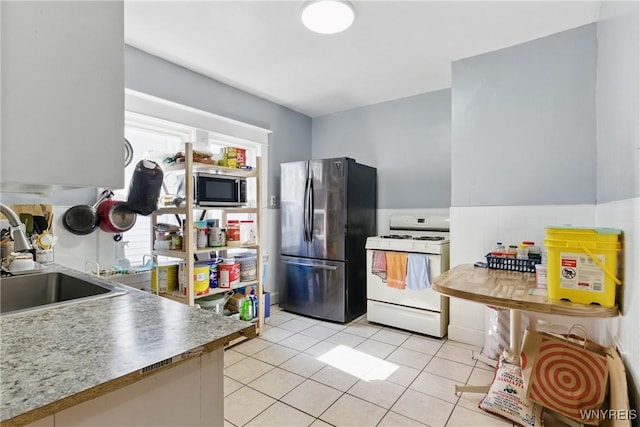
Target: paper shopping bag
x=566, y=373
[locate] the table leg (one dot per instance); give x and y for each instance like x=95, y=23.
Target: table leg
x=515, y=341
x=515, y=344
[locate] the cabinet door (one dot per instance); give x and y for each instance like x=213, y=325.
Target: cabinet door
x=62, y=94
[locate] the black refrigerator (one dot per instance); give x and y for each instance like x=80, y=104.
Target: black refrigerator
x=328, y=209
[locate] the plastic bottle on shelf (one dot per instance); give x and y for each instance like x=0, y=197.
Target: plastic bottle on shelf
x=534, y=251
x=499, y=248
x=254, y=303
x=522, y=252
x=247, y=233
x=246, y=310
x=512, y=250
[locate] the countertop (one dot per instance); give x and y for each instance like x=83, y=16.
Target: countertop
x=55, y=358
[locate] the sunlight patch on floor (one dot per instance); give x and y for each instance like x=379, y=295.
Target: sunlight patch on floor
x=358, y=364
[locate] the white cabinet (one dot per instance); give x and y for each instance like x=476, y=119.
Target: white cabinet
x=188, y=394
x=62, y=95
x=189, y=249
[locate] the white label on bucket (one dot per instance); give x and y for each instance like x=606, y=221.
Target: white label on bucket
x=223, y=279
x=580, y=273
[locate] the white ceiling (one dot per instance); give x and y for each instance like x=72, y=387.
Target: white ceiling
x=394, y=49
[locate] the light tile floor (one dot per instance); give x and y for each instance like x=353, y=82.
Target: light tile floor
x=306, y=372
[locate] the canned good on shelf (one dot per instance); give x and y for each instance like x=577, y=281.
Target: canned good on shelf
x=228, y=274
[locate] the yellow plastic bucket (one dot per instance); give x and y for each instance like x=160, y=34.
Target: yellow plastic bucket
x=200, y=278
x=582, y=264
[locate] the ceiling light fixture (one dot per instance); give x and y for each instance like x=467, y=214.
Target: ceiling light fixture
x=327, y=16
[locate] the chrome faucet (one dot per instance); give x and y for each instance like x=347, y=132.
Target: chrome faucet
x=20, y=241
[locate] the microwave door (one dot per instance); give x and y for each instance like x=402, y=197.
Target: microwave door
x=218, y=191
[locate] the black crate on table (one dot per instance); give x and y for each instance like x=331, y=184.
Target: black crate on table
x=512, y=264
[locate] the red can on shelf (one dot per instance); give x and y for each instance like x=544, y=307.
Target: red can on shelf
x=228, y=274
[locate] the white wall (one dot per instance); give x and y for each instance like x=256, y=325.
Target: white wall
x=625, y=215
x=618, y=162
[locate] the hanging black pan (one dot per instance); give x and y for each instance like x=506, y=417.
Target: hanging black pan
x=83, y=219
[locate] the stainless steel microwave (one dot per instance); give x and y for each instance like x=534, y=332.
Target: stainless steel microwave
x=218, y=190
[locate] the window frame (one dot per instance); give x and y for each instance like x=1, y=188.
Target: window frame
x=152, y=114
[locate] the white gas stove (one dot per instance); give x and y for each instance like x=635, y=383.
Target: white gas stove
x=419, y=310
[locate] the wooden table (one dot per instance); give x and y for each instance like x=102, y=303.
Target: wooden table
x=509, y=289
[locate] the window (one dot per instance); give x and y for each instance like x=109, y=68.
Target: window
x=154, y=137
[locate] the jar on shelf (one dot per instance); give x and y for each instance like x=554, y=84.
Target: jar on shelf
x=534, y=251
x=201, y=234
x=522, y=252
x=216, y=237
x=233, y=232
x=176, y=241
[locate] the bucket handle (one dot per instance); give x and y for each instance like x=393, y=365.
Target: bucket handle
x=227, y=296
x=600, y=264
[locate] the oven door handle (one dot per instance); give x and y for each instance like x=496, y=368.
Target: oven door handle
x=316, y=266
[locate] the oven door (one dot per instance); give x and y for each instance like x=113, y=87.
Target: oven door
x=426, y=299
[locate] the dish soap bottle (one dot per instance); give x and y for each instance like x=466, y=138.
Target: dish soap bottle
x=246, y=310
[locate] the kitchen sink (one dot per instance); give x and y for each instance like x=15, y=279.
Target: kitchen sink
x=52, y=289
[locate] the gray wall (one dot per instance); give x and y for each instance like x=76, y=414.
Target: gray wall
x=523, y=123
x=408, y=140
x=618, y=111
x=291, y=132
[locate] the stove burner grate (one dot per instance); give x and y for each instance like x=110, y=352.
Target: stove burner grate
x=433, y=238
x=397, y=236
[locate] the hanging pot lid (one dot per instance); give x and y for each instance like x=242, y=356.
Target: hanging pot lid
x=128, y=152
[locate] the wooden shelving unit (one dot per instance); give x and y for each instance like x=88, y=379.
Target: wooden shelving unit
x=189, y=251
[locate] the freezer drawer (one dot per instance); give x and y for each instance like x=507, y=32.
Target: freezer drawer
x=411, y=319
x=314, y=288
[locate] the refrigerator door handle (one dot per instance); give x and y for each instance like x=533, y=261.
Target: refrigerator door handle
x=312, y=206
x=305, y=215
x=317, y=266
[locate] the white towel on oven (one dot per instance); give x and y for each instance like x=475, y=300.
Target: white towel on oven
x=418, y=272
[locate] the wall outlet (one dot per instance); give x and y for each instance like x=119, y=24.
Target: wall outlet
x=273, y=202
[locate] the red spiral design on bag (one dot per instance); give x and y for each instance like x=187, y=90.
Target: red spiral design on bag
x=567, y=378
